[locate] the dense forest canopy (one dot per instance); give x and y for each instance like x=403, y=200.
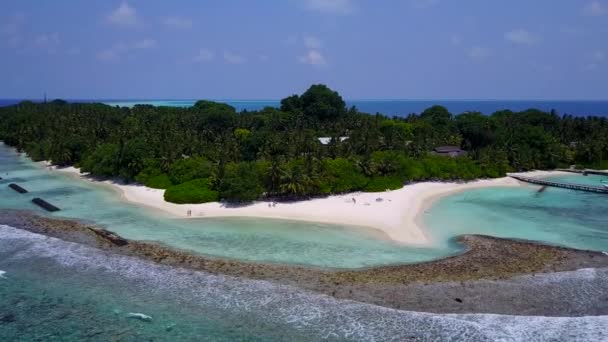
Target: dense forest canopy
x=209, y=151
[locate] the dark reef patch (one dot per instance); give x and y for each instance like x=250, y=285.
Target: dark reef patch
x=487, y=265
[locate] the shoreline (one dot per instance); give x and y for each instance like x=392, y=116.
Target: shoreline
x=499, y=276
x=397, y=214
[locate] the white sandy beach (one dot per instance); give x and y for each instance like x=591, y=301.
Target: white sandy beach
x=396, y=213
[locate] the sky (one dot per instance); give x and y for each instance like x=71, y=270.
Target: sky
x=270, y=49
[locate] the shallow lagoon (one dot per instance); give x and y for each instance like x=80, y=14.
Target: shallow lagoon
x=555, y=216
x=264, y=240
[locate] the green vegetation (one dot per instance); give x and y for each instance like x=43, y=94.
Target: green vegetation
x=209, y=151
x=194, y=191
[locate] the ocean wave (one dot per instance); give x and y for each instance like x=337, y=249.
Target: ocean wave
x=318, y=316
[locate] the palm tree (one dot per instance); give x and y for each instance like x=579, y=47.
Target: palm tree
x=291, y=183
x=294, y=181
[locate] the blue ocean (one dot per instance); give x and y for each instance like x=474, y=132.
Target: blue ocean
x=393, y=107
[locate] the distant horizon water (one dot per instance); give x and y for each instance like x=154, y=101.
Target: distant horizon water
x=390, y=107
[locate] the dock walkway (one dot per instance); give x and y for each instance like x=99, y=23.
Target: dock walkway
x=585, y=171
x=580, y=187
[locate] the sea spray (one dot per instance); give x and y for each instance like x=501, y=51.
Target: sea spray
x=255, y=302
x=140, y=316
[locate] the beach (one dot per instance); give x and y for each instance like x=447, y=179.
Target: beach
x=397, y=213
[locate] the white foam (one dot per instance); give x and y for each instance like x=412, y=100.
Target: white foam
x=317, y=316
x=2, y=274
x=140, y=316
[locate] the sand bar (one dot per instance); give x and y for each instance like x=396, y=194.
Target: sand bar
x=395, y=213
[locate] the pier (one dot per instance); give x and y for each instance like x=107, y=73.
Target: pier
x=585, y=172
x=579, y=187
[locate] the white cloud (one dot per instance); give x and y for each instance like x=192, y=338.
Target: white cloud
x=572, y=31
x=313, y=57
x=479, y=52
x=521, y=36
x=330, y=6
x=179, y=23
x=311, y=42
x=109, y=55
x=456, y=39
x=291, y=40
x=233, y=58
x=595, y=8
x=424, y=3
x=145, y=44
x=12, y=29
x=595, y=61
x=116, y=52
x=48, y=42
x=124, y=15
x=590, y=66
x=14, y=24
x=204, y=56
x=73, y=51
x=598, y=56
x=15, y=40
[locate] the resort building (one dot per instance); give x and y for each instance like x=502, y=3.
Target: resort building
x=449, y=151
x=327, y=140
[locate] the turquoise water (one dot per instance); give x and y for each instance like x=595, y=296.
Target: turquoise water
x=248, y=239
x=554, y=216
x=405, y=107
x=54, y=290
x=389, y=107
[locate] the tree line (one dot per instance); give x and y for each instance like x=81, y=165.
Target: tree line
x=209, y=152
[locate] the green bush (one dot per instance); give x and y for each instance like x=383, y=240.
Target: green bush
x=241, y=183
x=185, y=170
x=161, y=181
x=341, y=175
x=151, y=176
x=104, y=161
x=600, y=165
x=378, y=184
x=192, y=192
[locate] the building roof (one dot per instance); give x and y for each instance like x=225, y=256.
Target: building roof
x=327, y=140
x=448, y=149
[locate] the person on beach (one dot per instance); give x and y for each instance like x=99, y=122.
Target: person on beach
x=189, y=213
x=354, y=201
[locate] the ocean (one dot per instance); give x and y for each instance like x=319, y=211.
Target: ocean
x=393, y=107
x=53, y=290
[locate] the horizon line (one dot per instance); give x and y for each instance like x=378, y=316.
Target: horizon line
x=278, y=100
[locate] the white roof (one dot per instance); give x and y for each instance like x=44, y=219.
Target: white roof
x=327, y=140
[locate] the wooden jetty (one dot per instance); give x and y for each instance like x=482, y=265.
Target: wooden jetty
x=45, y=205
x=544, y=182
x=17, y=188
x=585, y=172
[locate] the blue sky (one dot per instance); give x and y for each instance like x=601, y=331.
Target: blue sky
x=268, y=49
